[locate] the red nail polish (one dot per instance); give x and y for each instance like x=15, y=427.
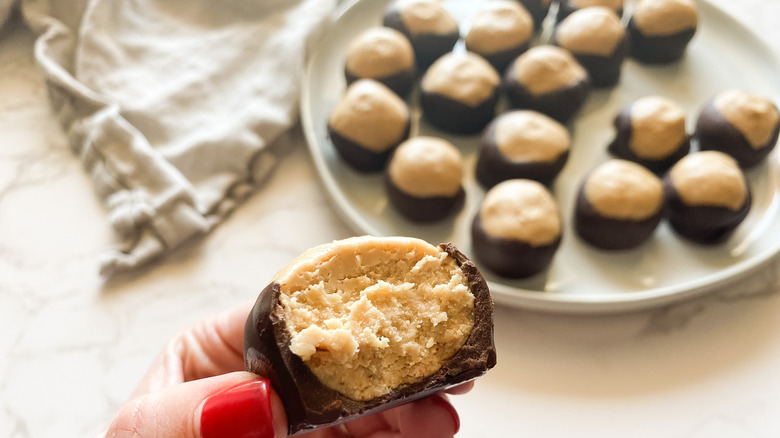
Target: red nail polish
x=442, y=401
x=241, y=411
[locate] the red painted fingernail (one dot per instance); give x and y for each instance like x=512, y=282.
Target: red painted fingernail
x=241, y=411
x=442, y=401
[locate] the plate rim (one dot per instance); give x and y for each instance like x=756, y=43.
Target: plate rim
x=532, y=299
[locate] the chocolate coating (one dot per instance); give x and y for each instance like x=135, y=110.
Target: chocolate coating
x=401, y=83
x=494, y=167
x=422, y=209
x=604, y=71
x=384, y=55
x=560, y=104
x=620, y=146
x=507, y=257
x=567, y=7
x=428, y=46
x=360, y=158
x=658, y=49
x=702, y=224
x=714, y=132
x=311, y=405
x=459, y=93
x=608, y=233
x=453, y=116
x=538, y=9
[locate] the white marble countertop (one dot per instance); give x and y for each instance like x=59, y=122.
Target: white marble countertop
x=73, y=347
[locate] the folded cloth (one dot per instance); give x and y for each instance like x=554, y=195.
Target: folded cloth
x=172, y=104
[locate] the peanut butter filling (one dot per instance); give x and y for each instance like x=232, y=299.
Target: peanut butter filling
x=709, y=179
x=368, y=315
x=523, y=210
x=370, y=115
x=620, y=189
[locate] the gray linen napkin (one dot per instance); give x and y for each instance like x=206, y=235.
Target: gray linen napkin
x=171, y=104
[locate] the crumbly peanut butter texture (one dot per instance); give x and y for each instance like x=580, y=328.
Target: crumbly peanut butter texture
x=369, y=315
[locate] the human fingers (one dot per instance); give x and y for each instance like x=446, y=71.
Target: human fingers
x=234, y=405
x=431, y=417
x=461, y=389
x=210, y=347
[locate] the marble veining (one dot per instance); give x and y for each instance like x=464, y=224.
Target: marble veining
x=72, y=347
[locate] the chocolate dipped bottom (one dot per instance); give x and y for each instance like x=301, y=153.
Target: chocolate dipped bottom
x=608, y=233
x=517, y=230
x=568, y=7
x=618, y=206
x=500, y=32
x=707, y=197
x=561, y=104
x=605, y=71
x=367, y=124
x=563, y=98
x=664, y=141
x=360, y=158
x=401, y=82
x=417, y=209
x=457, y=117
x=330, y=364
x=539, y=144
x=510, y=258
x=538, y=10
x=382, y=54
x=424, y=179
x=431, y=35
x=702, y=224
x=714, y=132
x=459, y=93
x=598, y=42
x=660, y=30
x=658, y=49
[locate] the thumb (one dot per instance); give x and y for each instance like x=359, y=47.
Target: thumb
x=235, y=405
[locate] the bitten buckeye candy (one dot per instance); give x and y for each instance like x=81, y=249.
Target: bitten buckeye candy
x=382, y=54
x=597, y=40
x=517, y=229
x=500, y=32
x=361, y=325
x=707, y=196
x=547, y=79
x=459, y=93
x=619, y=205
x=522, y=144
x=660, y=30
x=424, y=180
x=367, y=124
x=567, y=7
x=651, y=131
x=743, y=125
x=429, y=27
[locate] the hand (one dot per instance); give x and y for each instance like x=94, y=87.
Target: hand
x=196, y=388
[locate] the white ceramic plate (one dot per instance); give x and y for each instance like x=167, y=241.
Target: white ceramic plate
x=724, y=54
